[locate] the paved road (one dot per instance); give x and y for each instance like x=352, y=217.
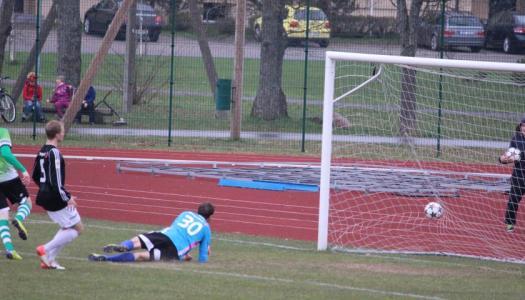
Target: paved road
x=287, y=136
x=185, y=46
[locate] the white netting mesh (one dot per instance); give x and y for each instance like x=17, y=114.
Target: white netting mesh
x=441, y=144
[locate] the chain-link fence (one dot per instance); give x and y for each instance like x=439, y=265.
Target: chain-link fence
x=133, y=104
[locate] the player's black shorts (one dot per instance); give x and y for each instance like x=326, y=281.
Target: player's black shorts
x=159, y=245
x=14, y=190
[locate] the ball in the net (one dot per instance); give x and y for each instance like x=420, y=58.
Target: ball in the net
x=434, y=210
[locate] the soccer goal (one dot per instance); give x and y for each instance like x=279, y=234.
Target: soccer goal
x=400, y=132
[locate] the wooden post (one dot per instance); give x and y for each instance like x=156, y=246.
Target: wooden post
x=129, y=60
x=238, y=71
x=85, y=83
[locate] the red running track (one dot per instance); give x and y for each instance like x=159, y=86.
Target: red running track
x=152, y=199
x=472, y=224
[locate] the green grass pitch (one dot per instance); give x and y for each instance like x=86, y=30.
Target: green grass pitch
x=243, y=267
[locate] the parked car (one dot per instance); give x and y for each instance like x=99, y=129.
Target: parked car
x=295, y=25
x=506, y=31
x=461, y=30
x=99, y=16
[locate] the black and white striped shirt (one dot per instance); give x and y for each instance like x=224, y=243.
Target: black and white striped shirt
x=49, y=174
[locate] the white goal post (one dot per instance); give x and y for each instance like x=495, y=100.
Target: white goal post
x=330, y=98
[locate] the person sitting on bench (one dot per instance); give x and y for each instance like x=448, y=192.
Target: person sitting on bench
x=61, y=96
x=32, y=92
x=88, y=105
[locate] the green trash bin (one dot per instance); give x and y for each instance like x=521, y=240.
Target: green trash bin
x=223, y=94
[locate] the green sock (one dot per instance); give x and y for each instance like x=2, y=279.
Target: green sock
x=5, y=235
x=24, y=209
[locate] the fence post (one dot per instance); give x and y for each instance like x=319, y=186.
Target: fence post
x=37, y=63
x=170, y=116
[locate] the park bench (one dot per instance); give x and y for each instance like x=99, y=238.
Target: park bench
x=102, y=109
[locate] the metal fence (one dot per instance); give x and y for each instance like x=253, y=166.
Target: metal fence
x=196, y=123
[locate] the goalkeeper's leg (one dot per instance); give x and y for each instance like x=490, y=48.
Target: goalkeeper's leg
x=515, y=195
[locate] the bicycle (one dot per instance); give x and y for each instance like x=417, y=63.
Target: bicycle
x=7, y=105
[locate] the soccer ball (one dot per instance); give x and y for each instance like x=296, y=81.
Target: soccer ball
x=434, y=210
x=513, y=152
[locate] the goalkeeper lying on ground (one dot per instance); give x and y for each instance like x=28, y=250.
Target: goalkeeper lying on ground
x=187, y=231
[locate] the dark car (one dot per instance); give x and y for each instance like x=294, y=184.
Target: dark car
x=461, y=30
x=506, y=31
x=98, y=18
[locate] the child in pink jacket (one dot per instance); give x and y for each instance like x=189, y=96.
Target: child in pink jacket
x=61, y=96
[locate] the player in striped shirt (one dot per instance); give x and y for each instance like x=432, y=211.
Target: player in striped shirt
x=187, y=231
x=12, y=188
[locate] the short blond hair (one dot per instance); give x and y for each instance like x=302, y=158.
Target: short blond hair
x=53, y=128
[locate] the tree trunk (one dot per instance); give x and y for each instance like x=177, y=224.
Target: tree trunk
x=270, y=101
x=69, y=34
x=203, y=44
x=407, y=29
x=495, y=6
x=6, y=12
x=30, y=62
x=130, y=84
x=96, y=62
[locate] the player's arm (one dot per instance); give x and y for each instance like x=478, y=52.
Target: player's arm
x=506, y=159
x=55, y=175
x=6, y=153
x=36, y=171
x=204, y=246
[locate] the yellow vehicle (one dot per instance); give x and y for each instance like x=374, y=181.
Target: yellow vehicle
x=295, y=25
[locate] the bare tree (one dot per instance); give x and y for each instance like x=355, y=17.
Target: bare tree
x=69, y=33
x=203, y=44
x=31, y=58
x=270, y=100
x=408, y=21
x=6, y=12
x=496, y=6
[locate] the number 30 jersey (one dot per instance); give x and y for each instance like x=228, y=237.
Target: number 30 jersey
x=187, y=231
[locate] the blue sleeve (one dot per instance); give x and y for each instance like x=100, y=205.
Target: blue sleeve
x=91, y=95
x=203, y=247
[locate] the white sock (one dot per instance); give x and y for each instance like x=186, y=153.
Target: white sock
x=62, y=238
x=53, y=253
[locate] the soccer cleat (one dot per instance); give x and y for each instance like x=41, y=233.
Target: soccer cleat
x=22, y=231
x=41, y=252
x=114, y=248
x=55, y=266
x=510, y=228
x=13, y=255
x=96, y=257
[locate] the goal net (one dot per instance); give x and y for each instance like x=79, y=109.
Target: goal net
x=400, y=132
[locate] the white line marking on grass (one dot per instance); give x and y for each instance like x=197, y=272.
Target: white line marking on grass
x=272, y=245
x=256, y=278
x=285, y=247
